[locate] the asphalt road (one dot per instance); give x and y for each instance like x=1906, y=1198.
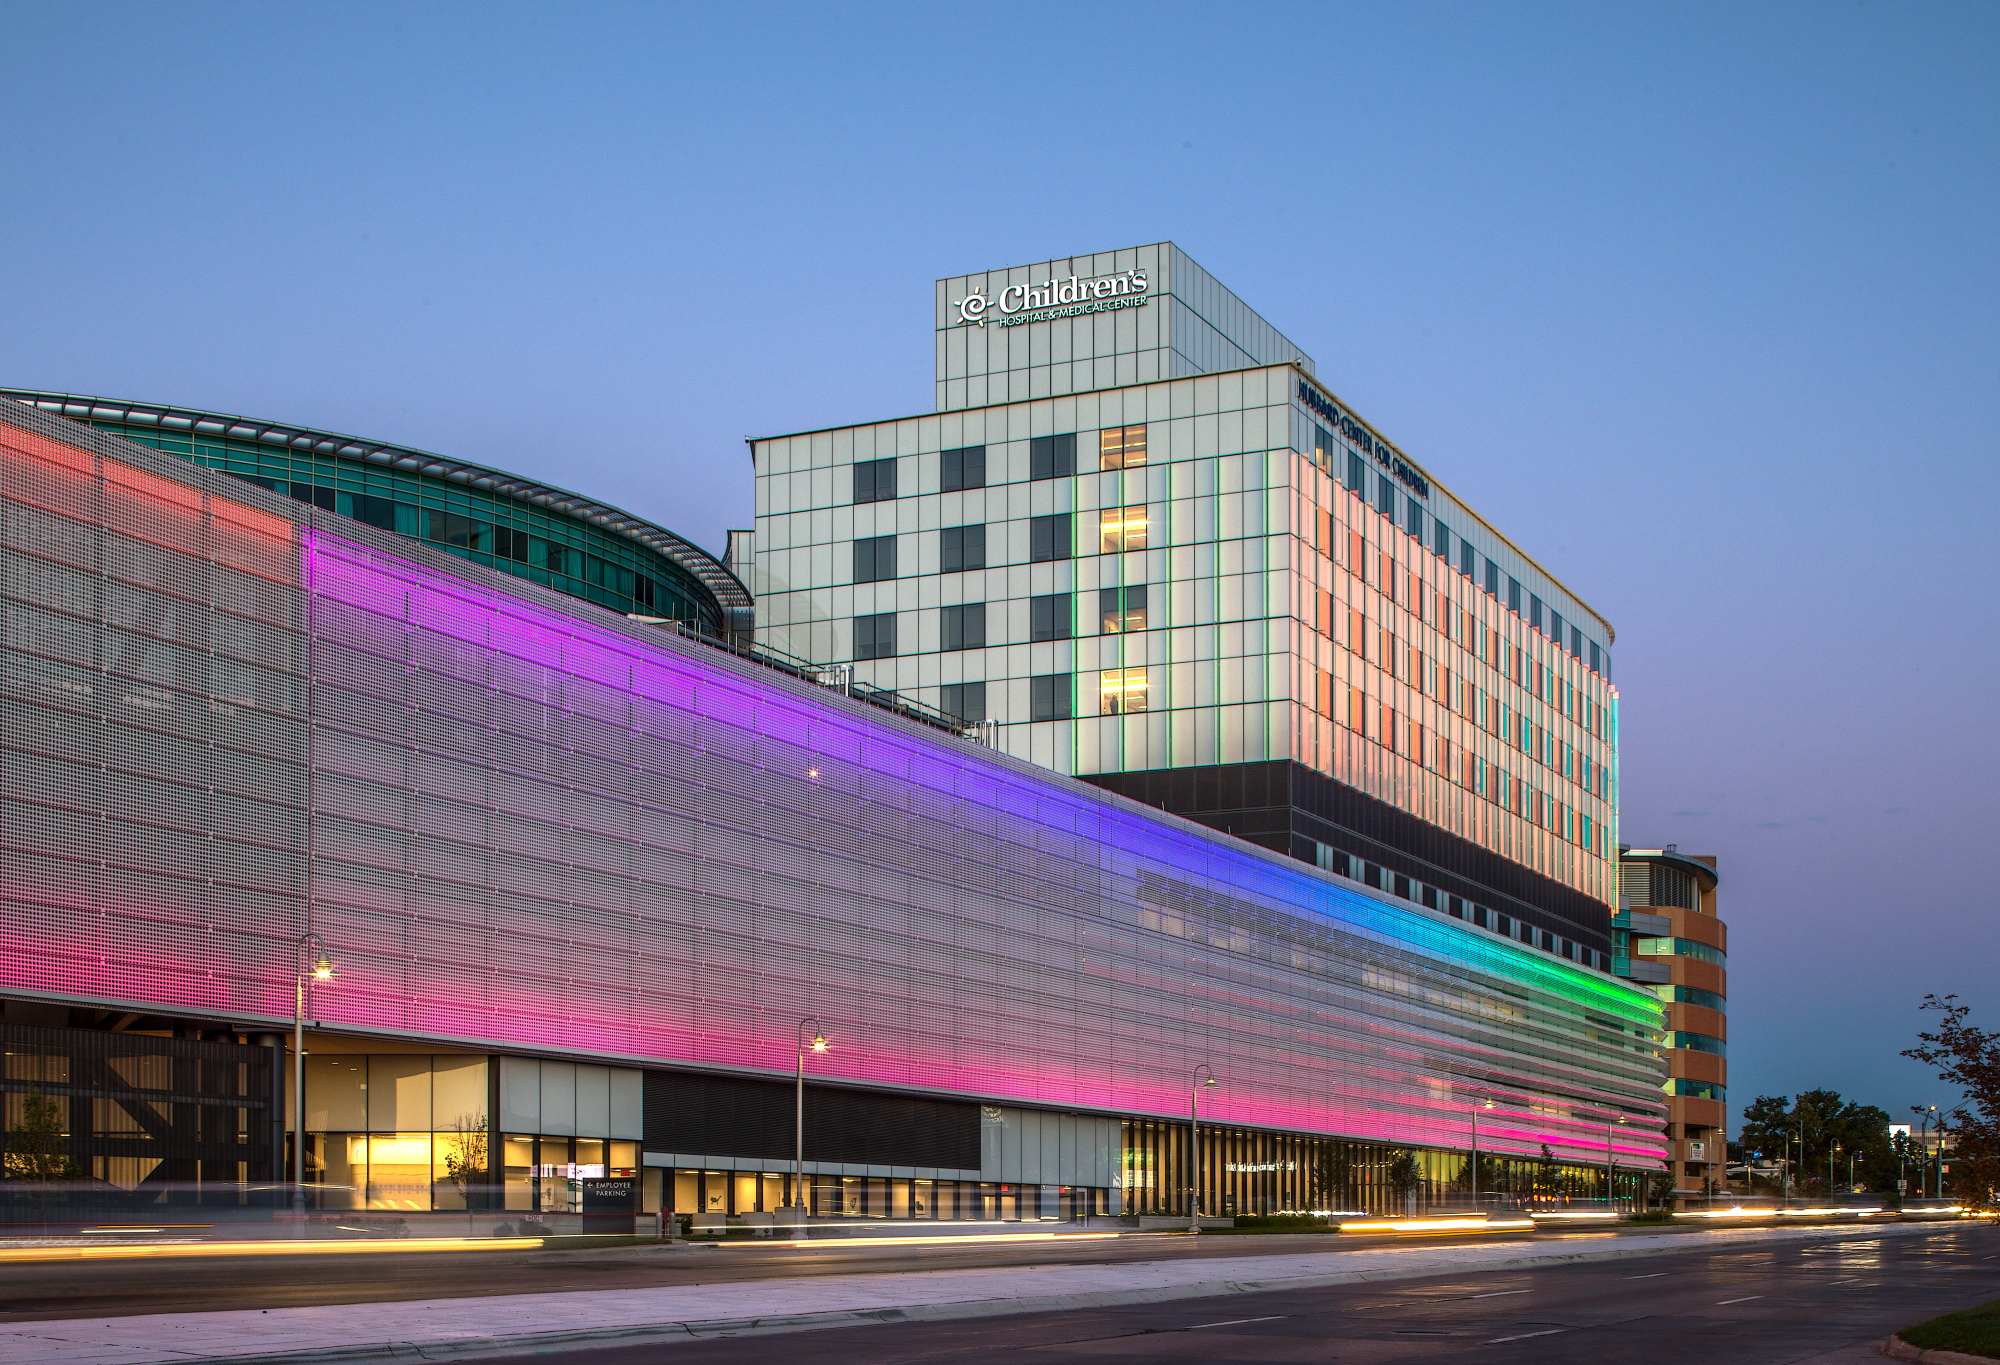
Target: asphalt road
x=1764, y=1305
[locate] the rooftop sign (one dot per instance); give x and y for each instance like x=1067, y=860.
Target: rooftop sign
x=1052, y=299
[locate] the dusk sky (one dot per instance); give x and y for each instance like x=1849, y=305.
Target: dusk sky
x=1696, y=302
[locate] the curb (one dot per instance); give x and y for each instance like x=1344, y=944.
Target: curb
x=663, y=1333
x=1897, y=1349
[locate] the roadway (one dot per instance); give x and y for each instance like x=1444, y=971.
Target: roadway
x=1825, y=1302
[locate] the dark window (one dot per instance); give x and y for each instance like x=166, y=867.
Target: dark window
x=1052, y=457
x=1556, y=627
x=963, y=468
x=1504, y=924
x=1576, y=641
x=875, y=636
x=1441, y=540
x=967, y=701
x=1534, y=610
x=1049, y=538
x=1121, y=609
x=1385, y=497
x=1514, y=595
x=1596, y=656
x=557, y=558
x=1492, y=579
x=1468, y=561
x=964, y=548
x=1049, y=617
x=1049, y=697
x=507, y=543
x=1323, y=447
x=1402, y=886
x=1457, y=908
x=328, y=499
x=874, y=480
x=1357, y=475
x=382, y=512
x=874, y=559
x=965, y=627
x=449, y=528
x=1414, y=523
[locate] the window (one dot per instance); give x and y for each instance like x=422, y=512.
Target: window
x=1121, y=691
x=1680, y=947
x=1049, y=697
x=874, y=480
x=507, y=543
x=962, y=468
x=1701, y=1090
x=1556, y=627
x=1122, y=609
x=1385, y=497
x=874, y=559
x=1414, y=520
x=1121, y=447
x=1441, y=540
x=1596, y=656
x=875, y=636
x=1049, y=538
x=1691, y=995
x=1698, y=1042
x=1492, y=579
x=1468, y=559
x=1534, y=611
x=1514, y=595
x=1121, y=528
x=1049, y=617
x=1357, y=476
x=964, y=547
x=967, y=701
x=1576, y=642
x=1052, y=457
x=965, y=627
x=1323, y=448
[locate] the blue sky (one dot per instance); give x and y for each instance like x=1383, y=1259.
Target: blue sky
x=1696, y=301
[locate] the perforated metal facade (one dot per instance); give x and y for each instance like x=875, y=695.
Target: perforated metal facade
x=533, y=827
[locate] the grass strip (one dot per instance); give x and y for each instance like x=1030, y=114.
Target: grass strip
x=1974, y=1331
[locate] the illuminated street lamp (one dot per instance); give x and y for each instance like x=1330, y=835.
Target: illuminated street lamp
x=1475, y=1145
x=321, y=969
x=818, y=1044
x=1194, y=1144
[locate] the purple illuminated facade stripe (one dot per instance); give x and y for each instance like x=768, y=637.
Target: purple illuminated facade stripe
x=541, y=833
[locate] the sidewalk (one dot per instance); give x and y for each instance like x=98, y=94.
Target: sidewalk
x=467, y=1328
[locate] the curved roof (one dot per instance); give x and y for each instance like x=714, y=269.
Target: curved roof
x=729, y=591
x=1705, y=876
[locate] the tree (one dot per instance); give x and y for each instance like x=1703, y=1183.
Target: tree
x=1968, y=1058
x=1332, y=1182
x=37, y=1157
x=1405, y=1175
x=1548, y=1174
x=465, y=1159
x=1819, y=1132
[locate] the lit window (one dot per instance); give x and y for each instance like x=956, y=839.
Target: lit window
x=1121, y=529
x=1122, y=690
x=1122, y=447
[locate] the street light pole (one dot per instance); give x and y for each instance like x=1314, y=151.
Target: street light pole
x=818, y=1044
x=322, y=970
x=1194, y=1144
x=1475, y=1146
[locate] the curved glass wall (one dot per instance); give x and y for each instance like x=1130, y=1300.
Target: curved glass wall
x=569, y=555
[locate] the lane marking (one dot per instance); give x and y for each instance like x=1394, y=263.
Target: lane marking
x=1745, y=1299
x=1654, y=1276
x=1500, y=1293
x=1233, y=1321
x=1855, y=1280
x=1553, y=1331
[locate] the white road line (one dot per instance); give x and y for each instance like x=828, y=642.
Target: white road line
x=1855, y=1280
x=1500, y=1293
x=1233, y=1321
x=1654, y=1276
x=1745, y=1299
x=1553, y=1331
